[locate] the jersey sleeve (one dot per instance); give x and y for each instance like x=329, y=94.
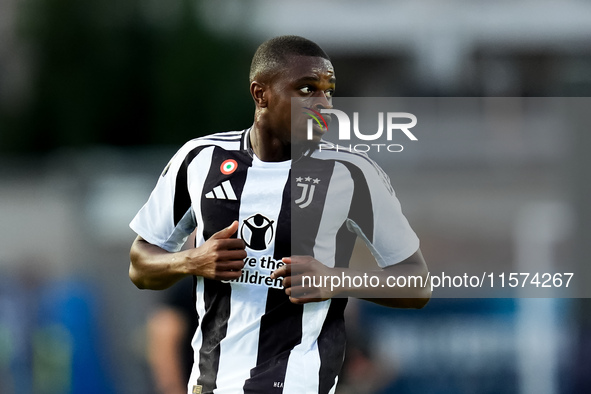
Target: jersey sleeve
x=166, y=220
x=377, y=217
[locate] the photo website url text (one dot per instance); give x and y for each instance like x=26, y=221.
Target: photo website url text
x=441, y=280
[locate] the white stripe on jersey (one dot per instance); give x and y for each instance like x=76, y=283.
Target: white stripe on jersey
x=197, y=340
x=304, y=359
x=335, y=210
x=228, y=135
x=334, y=387
x=262, y=194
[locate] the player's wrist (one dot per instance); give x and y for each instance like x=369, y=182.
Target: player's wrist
x=182, y=263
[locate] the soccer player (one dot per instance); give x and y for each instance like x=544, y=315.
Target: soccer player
x=261, y=330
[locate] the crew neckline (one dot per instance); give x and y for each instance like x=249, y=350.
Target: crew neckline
x=275, y=164
x=256, y=160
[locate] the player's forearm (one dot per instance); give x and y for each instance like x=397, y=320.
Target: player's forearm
x=221, y=257
x=152, y=267
x=406, y=286
x=382, y=286
x=403, y=285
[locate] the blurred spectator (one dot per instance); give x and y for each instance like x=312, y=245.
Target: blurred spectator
x=363, y=371
x=170, y=328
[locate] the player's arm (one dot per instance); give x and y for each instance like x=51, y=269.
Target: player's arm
x=220, y=257
x=411, y=296
x=415, y=294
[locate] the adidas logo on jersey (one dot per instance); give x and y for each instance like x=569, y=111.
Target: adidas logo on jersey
x=222, y=192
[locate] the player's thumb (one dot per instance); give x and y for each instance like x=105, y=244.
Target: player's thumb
x=226, y=232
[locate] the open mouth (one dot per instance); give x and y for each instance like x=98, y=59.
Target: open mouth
x=318, y=131
x=320, y=128
x=327, y=119
x=320, y=121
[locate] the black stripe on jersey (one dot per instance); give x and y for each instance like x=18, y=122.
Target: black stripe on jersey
x=283, y=232
x=331, y=344
x=361, y=211
x=182, y=199
x=345, y=244
x=280, y=331
x=220, y=213
x=214, y=327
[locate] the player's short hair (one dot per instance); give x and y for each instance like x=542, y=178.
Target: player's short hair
x=272, y=55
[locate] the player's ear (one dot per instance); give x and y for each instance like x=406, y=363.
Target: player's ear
x=259, y=93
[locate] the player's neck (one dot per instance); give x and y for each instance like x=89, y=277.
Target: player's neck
x=268, y=147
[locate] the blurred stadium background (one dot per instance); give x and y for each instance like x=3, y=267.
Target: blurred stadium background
x=96, y=95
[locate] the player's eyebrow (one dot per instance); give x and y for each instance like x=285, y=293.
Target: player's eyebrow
x=315, y=78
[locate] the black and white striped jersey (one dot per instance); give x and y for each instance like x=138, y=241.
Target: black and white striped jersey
x=250, y=338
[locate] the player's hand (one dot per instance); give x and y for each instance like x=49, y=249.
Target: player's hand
x=220, y=257
x=295, y=268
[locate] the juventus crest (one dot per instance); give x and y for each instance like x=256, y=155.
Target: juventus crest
x=308, y=184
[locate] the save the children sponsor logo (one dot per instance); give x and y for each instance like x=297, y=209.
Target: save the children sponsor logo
x=257, y=232
x=257, y=272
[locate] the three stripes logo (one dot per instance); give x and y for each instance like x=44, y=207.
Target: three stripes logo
x=222, y=192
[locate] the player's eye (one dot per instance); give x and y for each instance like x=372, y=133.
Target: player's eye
x=306, y=90
x=329, y=93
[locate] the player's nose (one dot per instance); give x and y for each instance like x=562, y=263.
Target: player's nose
x=323, y=100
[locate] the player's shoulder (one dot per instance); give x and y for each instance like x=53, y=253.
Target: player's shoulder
x=344, y=155
x=224, y=139
x=228, y=140
x=358, y=164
